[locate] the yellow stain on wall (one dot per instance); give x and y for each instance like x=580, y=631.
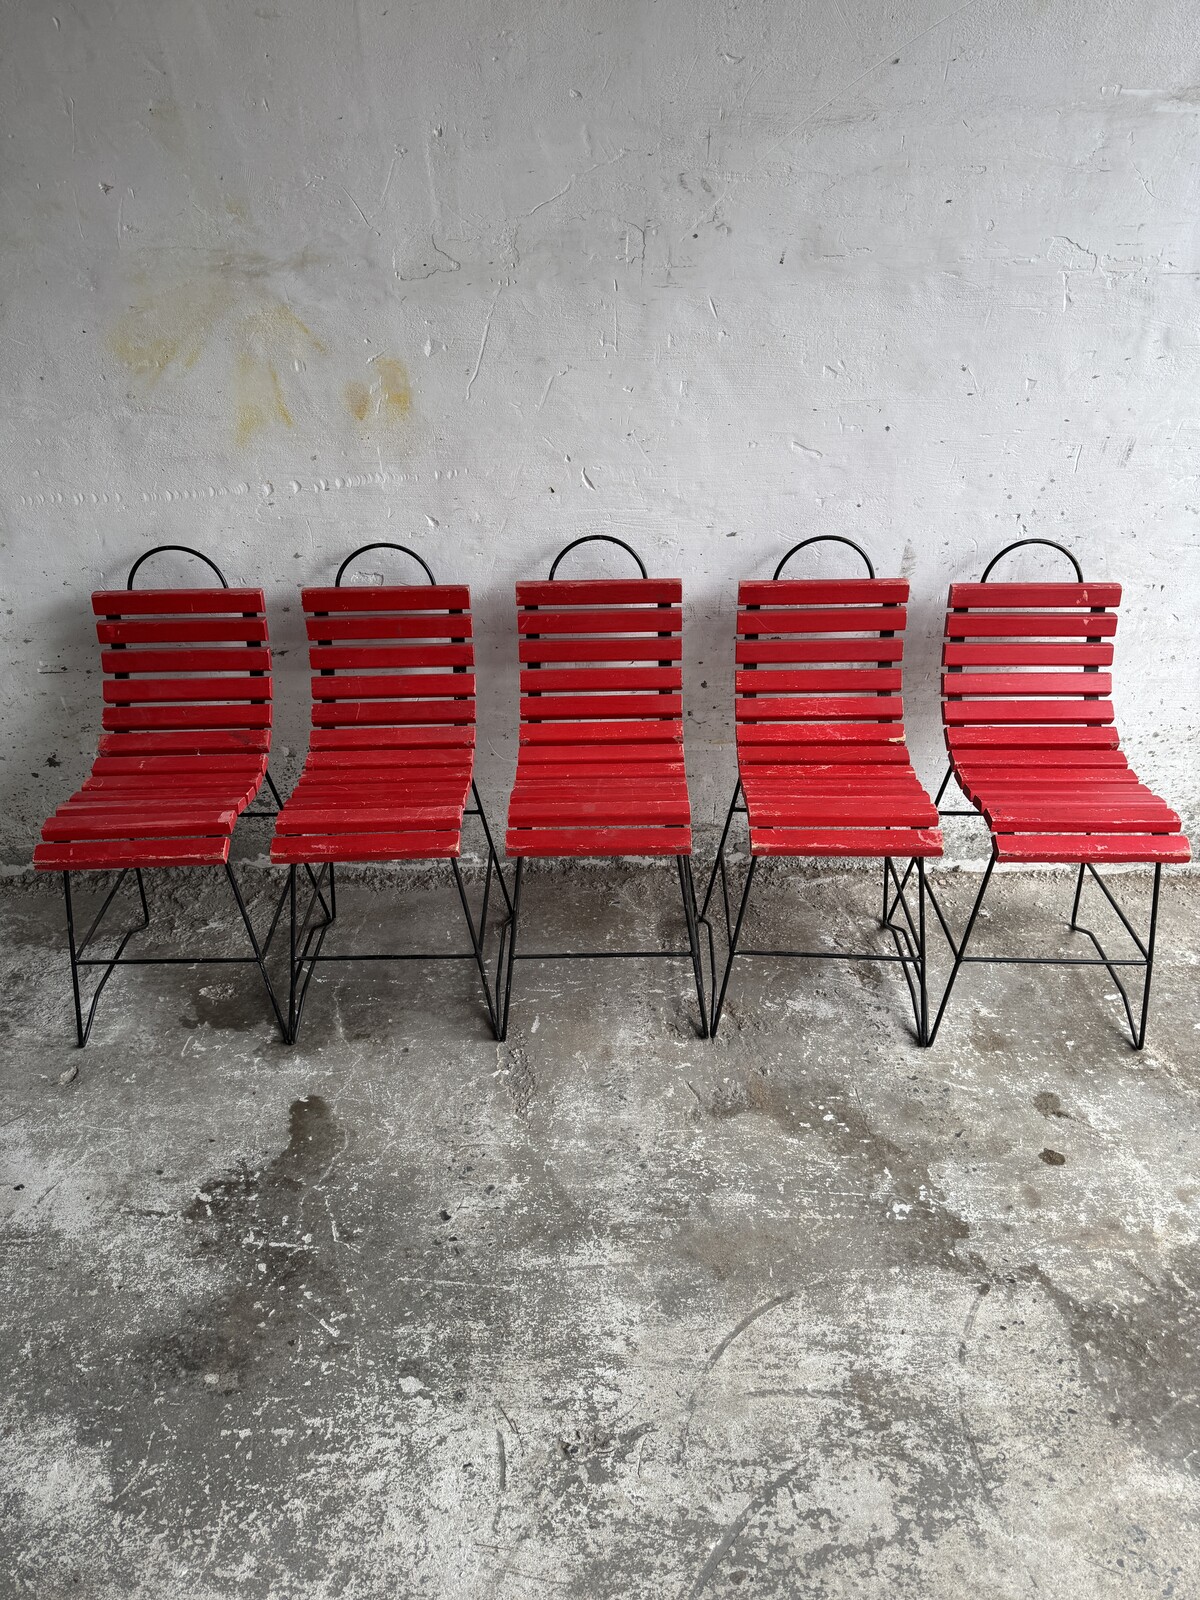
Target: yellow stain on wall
x=395, y=391
x=169, y=328
x=389, y=397
x=259, y=399
x=358, y=400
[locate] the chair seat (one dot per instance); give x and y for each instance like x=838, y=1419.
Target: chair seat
x=360, y=808
x=149, y=810
x=1043, y=812
x=570, y=800
x=825, y=809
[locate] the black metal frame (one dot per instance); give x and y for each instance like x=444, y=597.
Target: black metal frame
x=508, y=954
x=1136, y=1016
x=77, y=948
x=308, y=936
x=908, y=936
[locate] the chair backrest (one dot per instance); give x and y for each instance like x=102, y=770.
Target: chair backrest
x=601, y=660
x=186, y=671
x=1025, y=665
x=393, y=666
x=818, y=669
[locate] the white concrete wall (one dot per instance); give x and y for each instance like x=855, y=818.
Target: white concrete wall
x=282, y=277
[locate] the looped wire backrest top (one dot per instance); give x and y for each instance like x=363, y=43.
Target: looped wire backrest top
x=382, y=544
x=182, y=549
x=825, y=538
x=1019, y=544
x=597, y=538
x=604, y=652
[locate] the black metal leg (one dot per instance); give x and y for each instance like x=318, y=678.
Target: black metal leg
x=924, y=1020
x=76, y=948
x=718, y=859
x=258, y=954
x=1074, y=924
x=1140, y=1036
x=508, y=947
x=476, y=942
x=960, y=949
x=719, y=1003
x=687, y=889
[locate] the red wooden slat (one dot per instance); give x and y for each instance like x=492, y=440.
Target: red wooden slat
x=1032, y=654
x=395, y=686
x=540, y=680
x=137, y=691
x=538, y=809
x=830, y=733
x=823, y=592
x=1029, y=624
x=764, y=680
x=401, y=845
x=592, y=592
x=1049, y=814
x=1018, y=683
x=448, y=741
x=627, y=620
x=387, y=597
x=246, y=659
x=595, y=733
x=254, y=741
x=850, y=619
x=579, y=708
x=624, y=649
x=372, y=658
x=98, y=854
x=843, y=811
x=131, y=825
x=198, y=765
x=899, y=842
x=123, y=719
x=387, y=627
x=203, y=630
x=1002, y=595
x=998, y=711
x=599, y=842
x=177, y=602
x=813, y=708
x=845, y=650
x=1016, y=738
x=1072, y=847
x=337, y=713
x=299, y=816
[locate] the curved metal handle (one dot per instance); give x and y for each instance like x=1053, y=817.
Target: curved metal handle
x=383, y=544
x=599, y=538
x=825, y=538
x=184, y=549
x=1016, y=545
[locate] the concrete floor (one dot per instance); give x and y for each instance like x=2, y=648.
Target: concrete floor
x=607, y=1310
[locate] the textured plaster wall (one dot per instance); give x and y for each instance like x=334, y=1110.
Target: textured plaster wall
x=284, y=277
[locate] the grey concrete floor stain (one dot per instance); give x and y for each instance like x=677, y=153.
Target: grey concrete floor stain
x=605, y=1311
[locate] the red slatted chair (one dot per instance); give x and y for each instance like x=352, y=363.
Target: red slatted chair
x=600, y=768
x=1030, y=735
x=823, y=768
x=391, y=756
x=187, y=730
